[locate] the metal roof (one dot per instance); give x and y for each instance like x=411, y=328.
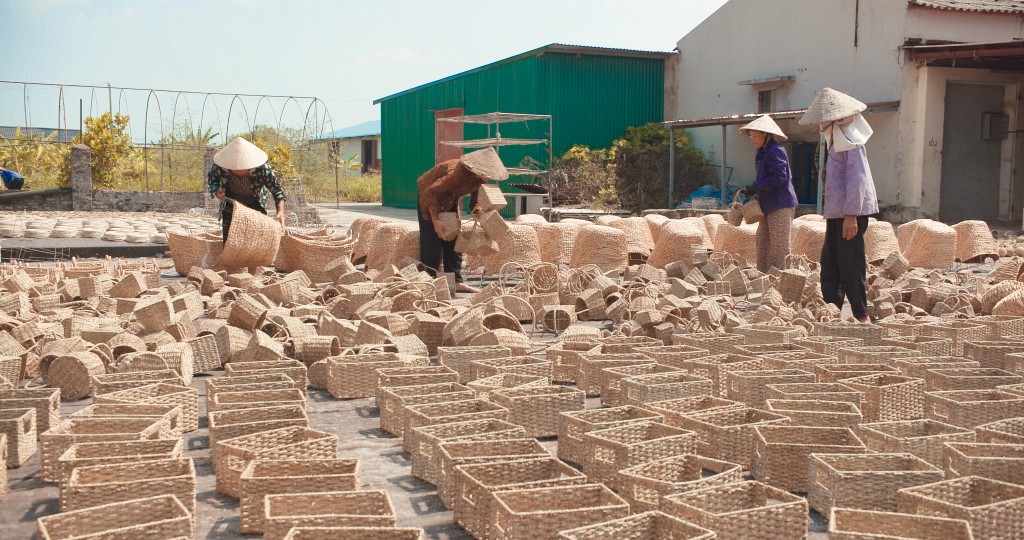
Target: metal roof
x=1007, y=55
x=981, y=6
x=551, y=48
x=880, y=106
x=63, y=135
x=366, y=129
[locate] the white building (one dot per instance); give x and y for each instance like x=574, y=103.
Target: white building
x=944, y=75
x=360, y=143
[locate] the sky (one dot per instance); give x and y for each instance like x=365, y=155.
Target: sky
x=342, y=52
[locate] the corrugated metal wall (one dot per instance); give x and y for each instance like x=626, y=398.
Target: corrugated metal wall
x=592, y=99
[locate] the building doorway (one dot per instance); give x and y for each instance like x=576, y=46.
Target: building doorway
x=447, y=131
x=970, y=163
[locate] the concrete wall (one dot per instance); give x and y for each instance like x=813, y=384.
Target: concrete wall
x=966, y=27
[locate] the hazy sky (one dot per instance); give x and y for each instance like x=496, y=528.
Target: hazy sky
x=345, y=53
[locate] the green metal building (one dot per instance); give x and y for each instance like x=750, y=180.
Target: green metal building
x=592, y=94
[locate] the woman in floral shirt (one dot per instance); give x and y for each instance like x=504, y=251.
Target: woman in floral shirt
x=240, y=172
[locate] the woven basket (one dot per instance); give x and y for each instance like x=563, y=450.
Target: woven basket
x=715, y=367
x=19, y=426
x=604, y=247
x=1008, y=431
x=311, y=254
x=411, y=376
x=171, y=414
x=326, y=509
x=392, y=401
x=252, y=241
x=566, y=356
x=639, y=241
x=557, y=241
x=96, y=485
x=886, y=397
x=477, y=482
x=756, y=334
x=730, y=511
x=454, y=453
x=879, y=241
x=816, y=413
x=188, y=250
x=610, y=450
x=543, y=512
x=714, y=343
x=865, y=481
x=519, y=365
x=959, y=332
x=837, y=372
x=154, y=517
x=538, y=408
x=265, y=477
x=229, y=423
x=113, y=452
x=611, y=380
x=590, y=374
x=924, y=345
x=160, y=394
x=115, y=382
x=881, y=354
x=246, y=383
x=677, y=240
x=355, y=533
x=750, y=386
x=652, y=524
x=448, y=412
x=483, y=388
x=971, y=408
x=232, y=455
x=459, y=358
x=850, y=524
x=996, y=461
x=425, y=440
x=640, y=389
x=993, y=509
x=931, y=244
x=994, y=354
x=970, y=379
x=73, y=373
x=739, y=241
x=923, y=438
x=918, y=368
x=295, y=370
x=54, y=442
x=869, y=333
x=644, y=485
x=808, y=237
x=1001, y=326
x=974, y=241
x=574, y=425
x=727, y=434
x=782, y=453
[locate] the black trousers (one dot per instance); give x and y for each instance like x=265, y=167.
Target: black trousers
x=433, y=249
x=844, y=267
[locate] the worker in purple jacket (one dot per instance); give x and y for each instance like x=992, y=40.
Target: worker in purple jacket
x=773, y=185
x=849, y=198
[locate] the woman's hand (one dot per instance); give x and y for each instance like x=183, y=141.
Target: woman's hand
x=477, y=210
x=219, y=193
x=438, y=228
x=280, y=218
x=849, y=227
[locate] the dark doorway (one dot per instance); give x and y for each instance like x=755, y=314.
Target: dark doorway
x=369, y=155
x=970, y=164
x=804, y=164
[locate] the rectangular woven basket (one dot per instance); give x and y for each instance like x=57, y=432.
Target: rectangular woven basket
x=295, y=370
x=163, y=394
x=970, y=379
x=237, y=422
x=57, y=440
x=924, y=345
x=449, y=412
x=1004, y=462
x=326, y=509
x=170, y=413
x=992, y=354
x=713, y=342
x=459, y=358
x=153, y=517
x=96, y=485
x=251, y=399
x=1008, y=431
x=246, y=383
x=750, y=387
x=803, y=359
x=814, y=392
x=879, y=354
x=852, y=524
x=923, y=438
x=731, y=510
x=767, y=334
x=640, y=389
x=652, y=524
x=46, y=402
x=887, y=397
x=765, y=349
x=482, y=388
x=782, y=453
x=477, y=483
x=919, y=367
x=355, y=533
x=716, y=366
x=538, y=408
x=611, y=380
x=113, y=382
x=19, y=425
x=674, y=409
x=1001, y=326
x=519, y=365
x=543, y=512
x=355, y=376
x=870, y=334
x=959, y=332
x=971, y=408
x=454, y=453
x=830, y=373
x=816, y=413
x=644, y=485
x=231, y=456
x=412, y=376
x=828, y=345
x=610, y=450
x=112, y=452
x=865, y=481
x=572, y=426
x=727, y=435
x=994, y=509
x=395, y=399
x=424, y=441
x=671, y=355
x=263, y=477
x=565, y=357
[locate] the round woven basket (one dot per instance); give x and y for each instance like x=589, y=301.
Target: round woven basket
x=139, y=361
x=606, y=219
x=711, y=223
x=740, y=241
x=556, y=241
x=905, y=232
x=1012, y=304
x=655, y=222
x=557, y=318
x=384, y=243
x=363, y=229
x=519, y=245
x=310, y=349
x=517, y=342
x=879, y=241
x=639, y=242
x=73, y=374
x=676, y=241
x=997, y=292
x=974, y=241
x=808, y=238
x=933, y=245
x=311, y=254
x=253, y=239
x=188, y=251
x=125, y=343
x=530, y=218
x=604, y=247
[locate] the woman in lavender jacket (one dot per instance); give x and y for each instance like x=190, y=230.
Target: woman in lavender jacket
x=849, y=198
x=773, y=185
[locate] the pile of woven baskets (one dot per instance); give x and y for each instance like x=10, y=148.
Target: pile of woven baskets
x=132, y=227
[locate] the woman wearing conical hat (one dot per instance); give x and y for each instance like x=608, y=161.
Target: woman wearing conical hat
x=240, y=172
x=849, y=198
x=441, y=189
x=773, y=185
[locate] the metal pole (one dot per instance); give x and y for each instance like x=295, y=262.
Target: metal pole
x=337, y=183
x=671, y=166
x=722, y=172
x=822, y=151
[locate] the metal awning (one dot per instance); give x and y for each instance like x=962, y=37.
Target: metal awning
x=983, y=55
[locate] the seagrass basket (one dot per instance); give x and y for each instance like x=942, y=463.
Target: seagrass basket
x=355, y=376
x=612, y=449
x=727, y=434
x=816, y=413
x=830, y=373
x=231, y=456
x=565, y=357
x=246, y=383
x=230, y=423
x=355, y=533
x=160, y=394
x=887, y=397
x=970, y=379
x=997, y=461
x=644, y=485
x=714, y=367
x=781, y=453
x=264, y=477
x=993, y=509
x=828, y=344
x=651, y=524
x=923, y=438
x=423, y=442
x=112, y=452
x=538, y=408
x=611, y=380
x=96, y=485
x=171, y=414
x=674, y=409
x=449, y=412
x=993, y=354
x=251, y=399
x=971, y=408
x=851, y=524
x=733, y=510
x=865, y=481
x=574, y=425
x=640, y=389
x=55, y=441
x=326, y=509
x=879, y=354
x=543, y=512
x=924, y=345
x=19, y=425
x=919, y=367
x=153, y=517
x=393, y=401
x=520, y=365
x=454, y=453
x=483, y=388
x=459, y=358
x=411, y=376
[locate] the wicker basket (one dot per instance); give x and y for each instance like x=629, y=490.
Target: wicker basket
x=247, y=383
x=54, y=442
x=871, y=334
x=538, y=408
x=959, y=332
x=971, y=408
x=393, y=401
x=154, y=517
x=227, y=424
x=95, y=485
x=830, y=373
x=814, y=392
x=251, y=399
x=113, y=452
x=640, y=389
x=448, y=412
x=816, y=413
x=994, y=509
x=757, y=334
x=803, y=360
x=115, y=382
x=423, y=442
x=782, y=453
x=644, y=485
x=160, y=394
x=674, y=409
x=543, y=512
x=477, y=482
x=483, y=388
x=1001, y=326
x=865, y=481
x=574, y=425
x=652, y=524
x=454, y=453
x=924, y=345
x=519, y=365
x=264, y=477
x=881, y=354
x=355, y=376
x=851, y=524
x=611, y=380
x=326, y=509
x=886, y=397
x=997, y=461
x=732, y=510
x=750, y=387
x=19, y=425
x=566, y=356
x=923, y=438
x=295, y=370
x=715, y=367
x=828, y=344
x=612, y=449
x=970, y=379
x=918, y=368
x=173, y=415
x=459, y=358
x=727, y=434
x=231, y=456
x=992, y=354
x=412, y=376
x=712, y=342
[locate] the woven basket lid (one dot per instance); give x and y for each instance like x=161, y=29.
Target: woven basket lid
x=880, y=241
x=764, y=124
x=974, y=241
x=240, y=154
x=485, y=163
x=831, y=105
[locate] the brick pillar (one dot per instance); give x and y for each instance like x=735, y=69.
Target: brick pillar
x=81, y=178
x=208, y=161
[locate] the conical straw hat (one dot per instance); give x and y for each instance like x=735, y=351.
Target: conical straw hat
x=767, y=125
x=240, y=154
x=831, y=105
x=486, y=164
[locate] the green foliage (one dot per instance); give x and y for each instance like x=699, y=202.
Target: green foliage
x=38, y=157
x=631, y=174
x=114, y=160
